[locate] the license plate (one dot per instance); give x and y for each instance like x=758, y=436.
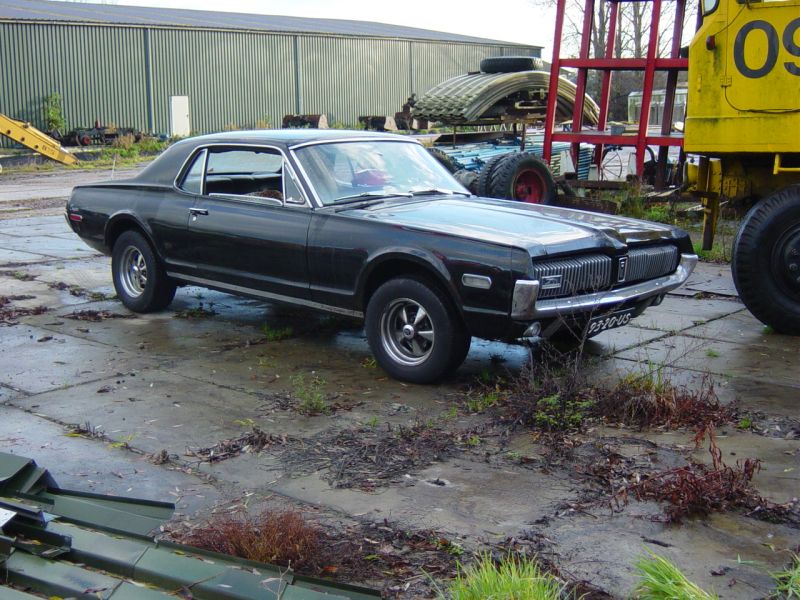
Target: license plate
x=609, y=321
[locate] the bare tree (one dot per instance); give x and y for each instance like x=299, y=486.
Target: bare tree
x=631, y=40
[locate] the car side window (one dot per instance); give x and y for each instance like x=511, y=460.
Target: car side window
x=291, y=188
x=256, y=173
x=193, y=180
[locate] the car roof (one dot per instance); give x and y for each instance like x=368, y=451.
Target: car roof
x=290, y=137
x=163, y=170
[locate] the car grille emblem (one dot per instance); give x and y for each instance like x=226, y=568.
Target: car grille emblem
x=622, y=268
x=551, y=282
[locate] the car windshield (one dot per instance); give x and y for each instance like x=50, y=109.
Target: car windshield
x=363, y=170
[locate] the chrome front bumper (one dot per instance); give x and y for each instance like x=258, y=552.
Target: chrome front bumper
x=526, y=307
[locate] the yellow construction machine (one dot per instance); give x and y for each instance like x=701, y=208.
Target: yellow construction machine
x=27, y=135
x=743, y=126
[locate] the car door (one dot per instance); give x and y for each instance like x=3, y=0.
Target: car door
x=249, y=228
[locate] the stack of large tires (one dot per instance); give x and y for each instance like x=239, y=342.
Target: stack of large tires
x=518, y=176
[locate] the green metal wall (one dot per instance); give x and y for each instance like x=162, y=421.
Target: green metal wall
x=126, y=75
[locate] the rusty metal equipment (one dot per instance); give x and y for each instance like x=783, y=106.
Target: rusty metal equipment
x=27, y=135
x=305, y=122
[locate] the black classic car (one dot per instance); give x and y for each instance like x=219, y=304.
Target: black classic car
x=371, y=225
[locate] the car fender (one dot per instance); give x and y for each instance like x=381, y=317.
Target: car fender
x=129, y=216
x=427, y=260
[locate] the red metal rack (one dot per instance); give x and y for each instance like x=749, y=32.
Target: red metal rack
x=608, y=64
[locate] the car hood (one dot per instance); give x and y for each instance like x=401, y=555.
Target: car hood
x=537, y=229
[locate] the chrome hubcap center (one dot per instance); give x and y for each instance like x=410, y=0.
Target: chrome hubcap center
x=408, y=332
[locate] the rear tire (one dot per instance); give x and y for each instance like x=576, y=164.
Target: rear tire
x=413, y=331
x=766, y=261
x=523, y=177
x=140, y=281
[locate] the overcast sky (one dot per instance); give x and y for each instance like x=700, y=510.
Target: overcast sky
x=506, y=20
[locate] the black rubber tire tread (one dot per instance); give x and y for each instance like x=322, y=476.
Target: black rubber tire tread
x=752, y=253
x=482, y=185
x=469, y=179
x=450, y=346
x=510, y=64
x=158, y=292
x=444, y=158
x=502, y=178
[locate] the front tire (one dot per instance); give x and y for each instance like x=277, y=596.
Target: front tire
x=413, y=331
x=139, y=279
x=766, y=261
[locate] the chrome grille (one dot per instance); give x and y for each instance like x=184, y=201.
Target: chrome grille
x=650, y=262
x=588, y=273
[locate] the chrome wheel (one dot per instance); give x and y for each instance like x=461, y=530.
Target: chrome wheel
x=133, y=272
x=407, y=332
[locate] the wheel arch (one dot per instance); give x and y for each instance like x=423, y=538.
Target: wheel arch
x=405, y=262
x=124, y=221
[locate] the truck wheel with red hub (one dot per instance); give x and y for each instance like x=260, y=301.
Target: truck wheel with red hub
x=523, y=177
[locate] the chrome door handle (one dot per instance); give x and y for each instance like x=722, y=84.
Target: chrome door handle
x=198, y=211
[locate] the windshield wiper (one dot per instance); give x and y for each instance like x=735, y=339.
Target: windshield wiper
x=369, y=196
x=431, y=191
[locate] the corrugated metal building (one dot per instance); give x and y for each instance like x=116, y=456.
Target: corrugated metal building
x=136, y=67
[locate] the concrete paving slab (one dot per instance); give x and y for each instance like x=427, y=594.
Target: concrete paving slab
x=743, y=328
x=603, y=549
x=720, y=358
x=14, y=257
x=475, y=500
x=708, y=278
x=779, y=478
x=35, y=226
x=763, y=395
x=90, y=466
x=157, y=410
x=615, y=340
x=677, y=314
x=34, y=360
x=55, y=247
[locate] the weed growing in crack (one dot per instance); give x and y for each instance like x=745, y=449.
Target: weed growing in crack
x=787, y=582
x=311, y=395
x=479, y=401
x=697, y=489
x=277, y=334
x=651, y=400
x=473, y=441
x=660, y=579
x=280, y=538
x=512, y=577
x=87, y=430
x=552, y=392
x=197, y=312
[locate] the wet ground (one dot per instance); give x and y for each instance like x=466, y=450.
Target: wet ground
x=212, y=367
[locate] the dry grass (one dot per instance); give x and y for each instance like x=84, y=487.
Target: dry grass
x=652, y=401
x=699, y=489
x=282, y=538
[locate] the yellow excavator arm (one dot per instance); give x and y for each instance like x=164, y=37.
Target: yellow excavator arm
x=27, y=135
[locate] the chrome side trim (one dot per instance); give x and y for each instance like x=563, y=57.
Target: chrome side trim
x=266, y=295
x=388, y=138
x=481, y=282
x=524, y=299
x=544, y=309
